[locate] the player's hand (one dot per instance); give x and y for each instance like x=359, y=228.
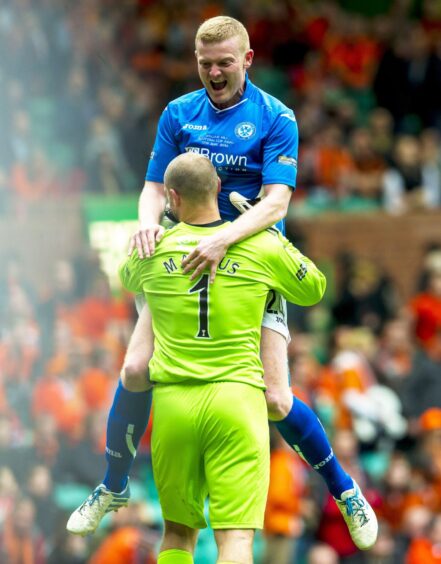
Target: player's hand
x=145, y=239
x=207, y=255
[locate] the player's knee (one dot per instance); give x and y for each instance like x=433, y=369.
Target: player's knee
x=279, y=403
x=134, y=375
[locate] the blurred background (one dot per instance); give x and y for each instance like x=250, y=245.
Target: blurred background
x=82, y=85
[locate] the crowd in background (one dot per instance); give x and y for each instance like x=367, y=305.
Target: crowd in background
x=81, y=88
x=368, y=362
x=83, y=84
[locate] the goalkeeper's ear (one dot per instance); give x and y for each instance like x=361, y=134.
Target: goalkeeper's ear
x=174, y=199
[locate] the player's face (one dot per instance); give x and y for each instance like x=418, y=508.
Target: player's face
x=222, y=67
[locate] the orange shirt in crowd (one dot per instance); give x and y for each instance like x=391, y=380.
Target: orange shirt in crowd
x=422, y=551
x=334, y=383
x=121, y=546
x=353, y=59
x=427, y=311
x=49, y=397
x=285, y=489
x=95, y=388
x=332, y=164
x=31, y=189
x=91, y=317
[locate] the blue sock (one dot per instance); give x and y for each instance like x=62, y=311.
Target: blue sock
x=127, y=422
x=303, y=431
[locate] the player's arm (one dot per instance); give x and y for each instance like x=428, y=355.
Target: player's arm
x=129, y=274
x=279, y=177
x=152, y=199
x=294, y=275
x=270, y=210
x=279, y=173
x=150, y=210
x=211, y=250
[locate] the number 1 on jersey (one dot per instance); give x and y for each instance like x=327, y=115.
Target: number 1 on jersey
x=202, y=286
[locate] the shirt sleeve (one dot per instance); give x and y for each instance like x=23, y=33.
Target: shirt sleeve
x=280, y=151
x=164, y=150
x=295, y=276
x=129, y=274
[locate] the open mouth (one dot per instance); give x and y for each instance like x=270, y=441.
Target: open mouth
x=218, y=86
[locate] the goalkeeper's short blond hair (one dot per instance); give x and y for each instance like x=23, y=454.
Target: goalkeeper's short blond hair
x=220, y=28
x=193, y=177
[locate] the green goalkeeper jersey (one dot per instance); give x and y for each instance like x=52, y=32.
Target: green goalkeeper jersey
x=211, y=332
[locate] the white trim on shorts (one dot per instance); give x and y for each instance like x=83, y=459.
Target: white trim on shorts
x=275, y=316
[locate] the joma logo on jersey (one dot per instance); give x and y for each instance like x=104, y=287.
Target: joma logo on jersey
x=195, y=127
x=220, y=159
x=245, y=130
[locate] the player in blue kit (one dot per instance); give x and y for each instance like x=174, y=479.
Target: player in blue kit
x=252, y=140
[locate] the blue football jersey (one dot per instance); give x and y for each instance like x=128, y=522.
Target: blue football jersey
x=254, y=142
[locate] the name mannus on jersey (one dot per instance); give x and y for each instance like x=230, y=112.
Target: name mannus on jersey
x=252, y=143
x=211, y=332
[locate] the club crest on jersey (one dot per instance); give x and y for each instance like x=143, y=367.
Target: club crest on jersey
x=245, y=130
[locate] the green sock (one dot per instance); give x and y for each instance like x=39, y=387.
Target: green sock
x=175, y=556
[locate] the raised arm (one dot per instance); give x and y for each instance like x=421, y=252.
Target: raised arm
x=151, y=208
x=294, y=275
x=211, y=250
x=270, y=210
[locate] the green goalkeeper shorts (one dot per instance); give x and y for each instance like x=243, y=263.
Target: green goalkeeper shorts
x=211, y=440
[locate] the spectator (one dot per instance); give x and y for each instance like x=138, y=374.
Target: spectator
x=322, y=554
x=8, y=493
x=68, y=549
x=82, y=461
x=44, y=448
x=283, y=523
x=130, y=542
x=36, y=179
x=426, y=310
x=381, y=126
x=385, y=549
x=333, y=163
x=20, y=539
x=427, y=548
x=40, y=490
x=352, y=52
x=423, y=387
x=407, y=81
x=405, y=187
x=108, y=171
x=366, y=296
x=396, y=491
x=416, y=520
x=369, y=166
x=394, y=359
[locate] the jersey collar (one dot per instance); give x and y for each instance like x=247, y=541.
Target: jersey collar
x=211, y=224
x=244, y=99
